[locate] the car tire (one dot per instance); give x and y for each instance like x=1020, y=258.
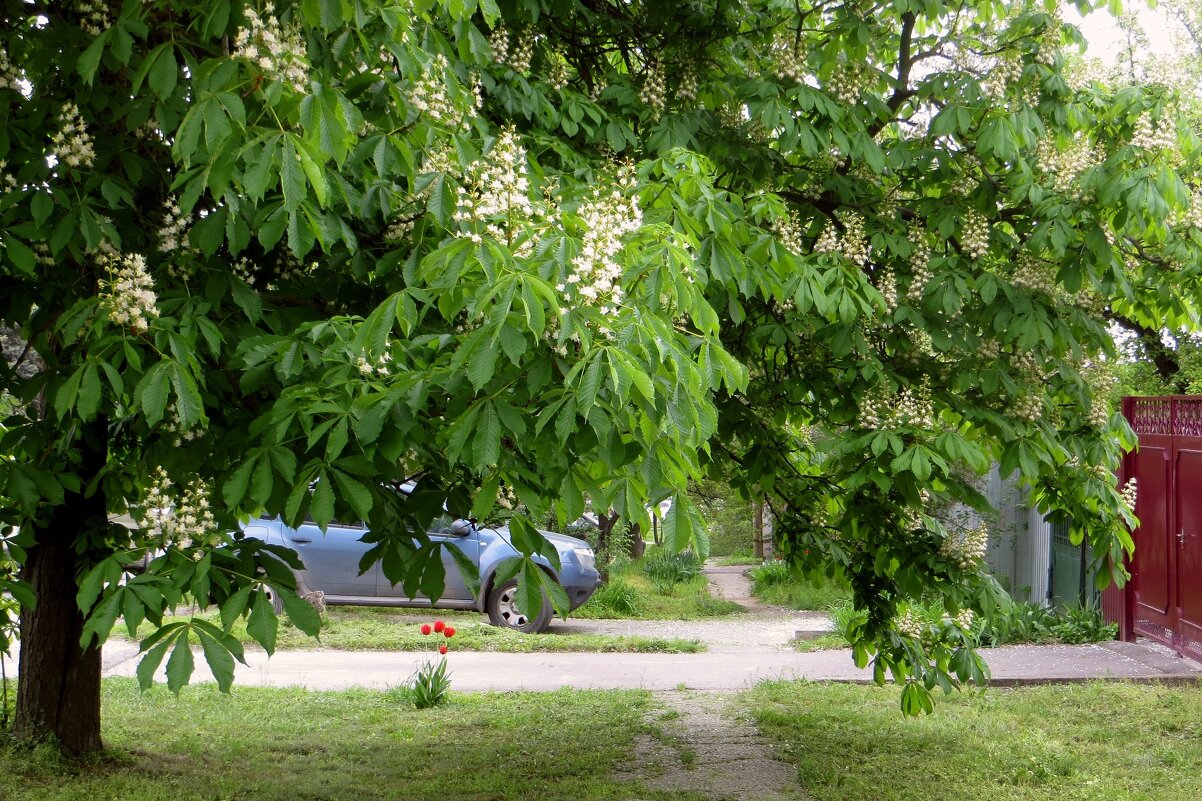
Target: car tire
x=277, y=603
x=502, y=610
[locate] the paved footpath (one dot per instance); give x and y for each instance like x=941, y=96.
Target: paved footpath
x=742, y=650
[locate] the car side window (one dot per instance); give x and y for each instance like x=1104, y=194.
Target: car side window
x=441, y=525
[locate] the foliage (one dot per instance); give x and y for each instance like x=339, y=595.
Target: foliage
x=775, y=583
x=1033, y=623
x=279, y=744
x=1010, y=624
x=617, y=597
x=688, y=601
x=853, y=251
x=431, y=685
x=728, y=517
x=1022, y=744
x=667, y=569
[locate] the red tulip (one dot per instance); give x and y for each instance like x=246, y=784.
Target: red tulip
x=425, y=628
x=442, y=649
x=450, y=632
x=439, y=625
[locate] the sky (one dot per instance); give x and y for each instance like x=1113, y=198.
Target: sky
x=1105, y=38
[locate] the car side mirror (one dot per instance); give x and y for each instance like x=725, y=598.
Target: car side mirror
x=460, y=528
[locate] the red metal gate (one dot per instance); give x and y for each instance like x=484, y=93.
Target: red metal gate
x=1165, y=593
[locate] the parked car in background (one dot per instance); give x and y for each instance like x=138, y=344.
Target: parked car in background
x=331, y=561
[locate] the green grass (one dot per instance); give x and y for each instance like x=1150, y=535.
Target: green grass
x=292, y=745
x=352, y=628
x=775, y=584
x=688, y=600
x=1092, y=742
x=738, y=561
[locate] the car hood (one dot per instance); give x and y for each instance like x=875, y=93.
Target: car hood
x=562, y=542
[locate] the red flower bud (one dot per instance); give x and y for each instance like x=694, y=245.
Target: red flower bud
x=450, y=632
x=442, y=649
x=439, y=625
x=425, y=628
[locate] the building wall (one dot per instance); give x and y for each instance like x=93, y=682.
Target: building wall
x=1019, y=540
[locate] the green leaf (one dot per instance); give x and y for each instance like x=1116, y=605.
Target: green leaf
x=263, y=625
x=152, y=392
x=321, y=506
x=300, y=612
x=180, y=664
x=89, y=61
x=292, y=179
x=221, y=662
x=487, y=446
x=164, y=73
x=149, y=664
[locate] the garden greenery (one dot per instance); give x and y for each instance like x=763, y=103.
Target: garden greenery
x=273, y=258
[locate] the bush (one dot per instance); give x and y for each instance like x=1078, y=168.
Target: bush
x=618, y=597
x=1032, y=623
x=771, y=574
x=777, y=584
x=666, y=569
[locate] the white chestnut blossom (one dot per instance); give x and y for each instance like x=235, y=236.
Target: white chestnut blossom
x=557, y=70
x=789, y=56
x=72, y=144
x=888, y=289
x=180, y=520
x=845, y=83
x=788, y=233
x=495, y=197
x=920, y=265
x=688, y=85
x=498, y=42
x=172, y=424
x=1155, y=135
x=1130, y=493
x=907, y=625
x=281, y=53
x=974, y=237
x=10, y=77
x=652, y=92
x=173, y=231
x=882, y=410
x=128, y=293
x=609, y=214
x=966, y=548
x=1028, y=407
x=1066, y=165
x=431, y=95
x=1035, y=275
x=94, y=16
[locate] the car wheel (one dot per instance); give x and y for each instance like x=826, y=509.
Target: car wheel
x=277, y=603
x=503, y=610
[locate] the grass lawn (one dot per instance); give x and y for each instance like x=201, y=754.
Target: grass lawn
x=775, y=584
x=638, y=598
x=362, y=628
x=292, y=745
x=1092, y=742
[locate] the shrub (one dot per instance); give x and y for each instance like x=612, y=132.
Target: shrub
x=771, y=574
x=617, y=596
x=666, y=569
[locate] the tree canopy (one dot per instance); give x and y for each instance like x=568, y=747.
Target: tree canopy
x=274, y=258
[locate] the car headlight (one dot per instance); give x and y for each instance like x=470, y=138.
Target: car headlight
x=585, y=557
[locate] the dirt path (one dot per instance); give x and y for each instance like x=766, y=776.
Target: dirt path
x=704, y=748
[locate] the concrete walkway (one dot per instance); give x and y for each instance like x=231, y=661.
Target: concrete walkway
x=743, y=650
x=325, y=669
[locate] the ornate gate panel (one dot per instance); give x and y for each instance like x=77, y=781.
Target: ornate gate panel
x=1166, y=586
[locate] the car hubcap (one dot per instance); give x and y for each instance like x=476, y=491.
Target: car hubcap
x=509, y=610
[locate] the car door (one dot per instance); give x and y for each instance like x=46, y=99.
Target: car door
x=332, y=558
x=447, y=535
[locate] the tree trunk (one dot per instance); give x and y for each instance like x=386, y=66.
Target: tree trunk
x=58, y=687
x=757, y=540
x=635, y=542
